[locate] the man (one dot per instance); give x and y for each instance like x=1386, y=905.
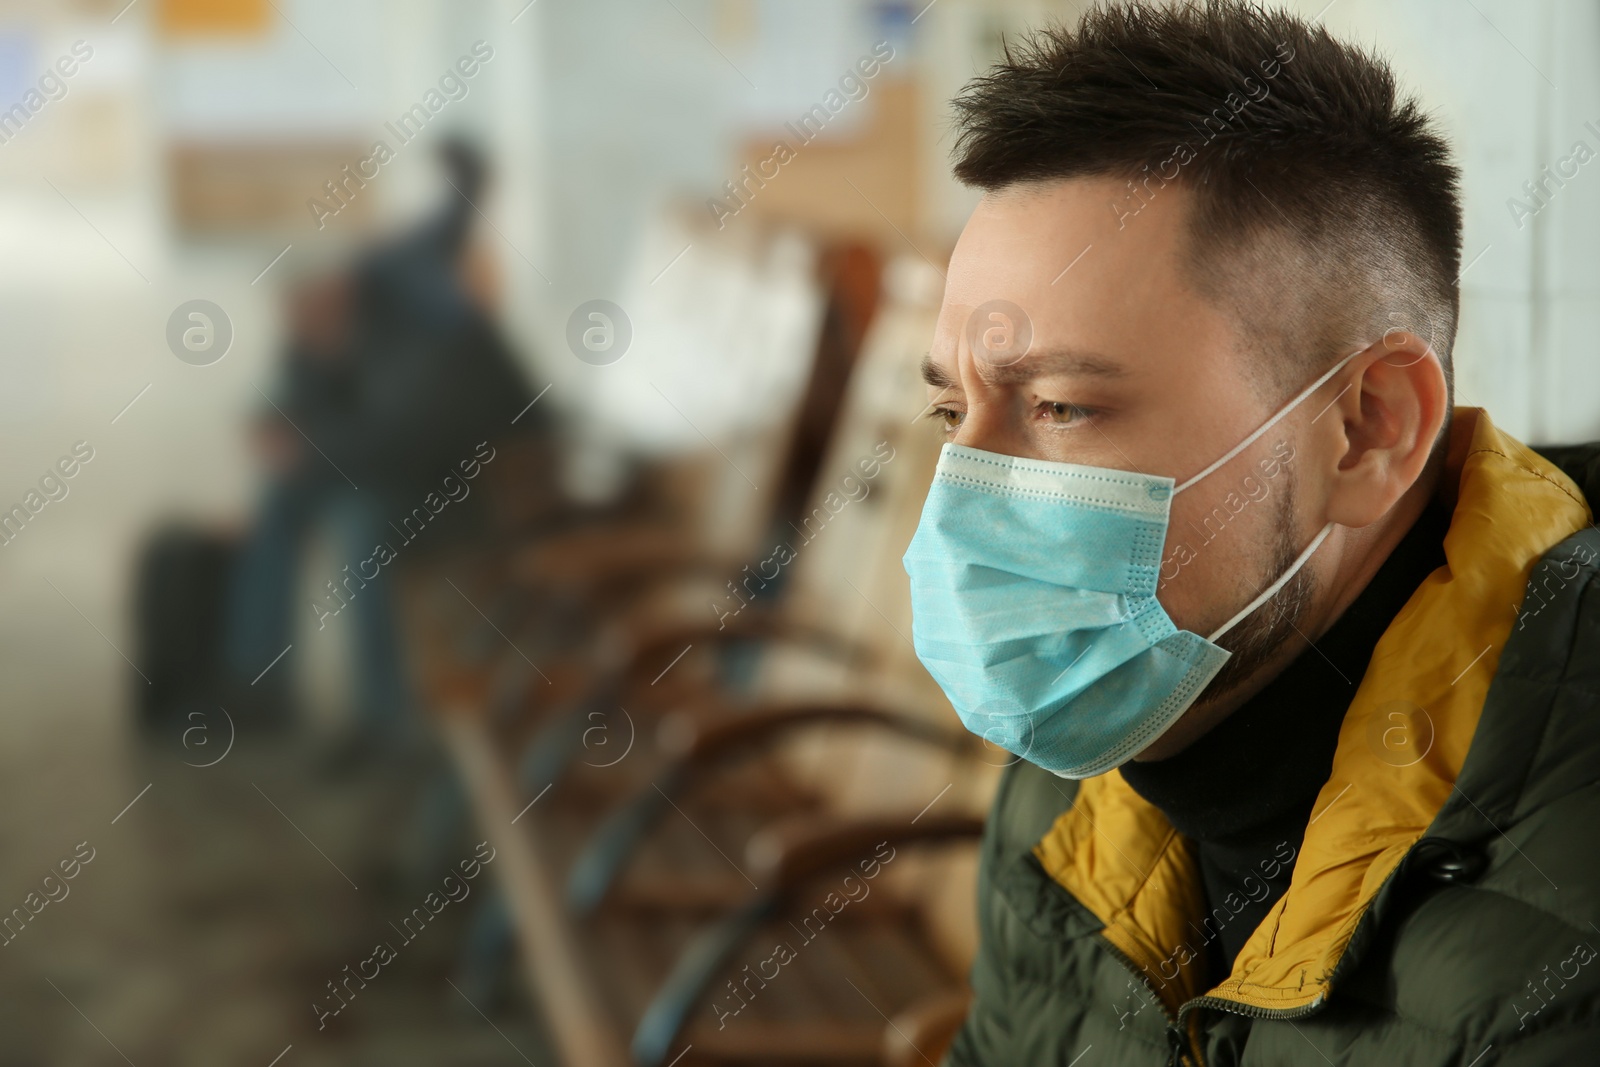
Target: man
x=394, y=374
x=1300, y=663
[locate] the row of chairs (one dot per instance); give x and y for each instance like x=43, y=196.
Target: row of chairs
x=735, y=820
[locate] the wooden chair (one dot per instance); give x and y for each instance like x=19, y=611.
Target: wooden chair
x=595, y=595
x=650, y=957
x=501, y=628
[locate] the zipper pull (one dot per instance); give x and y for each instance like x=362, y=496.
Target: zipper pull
x=1176, y=1043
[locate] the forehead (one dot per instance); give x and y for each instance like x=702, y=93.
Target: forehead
x=1088, y=267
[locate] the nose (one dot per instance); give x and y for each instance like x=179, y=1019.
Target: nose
x=995, y=335
x=992, y=421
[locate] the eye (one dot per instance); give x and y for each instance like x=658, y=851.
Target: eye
x=949, y=419
x=1062, y=413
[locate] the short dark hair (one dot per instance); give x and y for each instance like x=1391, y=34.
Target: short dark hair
x=1325, y=206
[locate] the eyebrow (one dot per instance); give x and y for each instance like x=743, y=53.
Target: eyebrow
x=935, y=375
x=1066, y=362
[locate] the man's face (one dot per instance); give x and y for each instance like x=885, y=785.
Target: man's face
x=1129, y=368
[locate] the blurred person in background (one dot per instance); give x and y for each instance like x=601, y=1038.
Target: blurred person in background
x=1354, y=822
x=394, y=376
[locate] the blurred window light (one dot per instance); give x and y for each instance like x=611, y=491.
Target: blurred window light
x=17, y=63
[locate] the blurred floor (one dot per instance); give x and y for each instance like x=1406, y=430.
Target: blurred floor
x=206, y=925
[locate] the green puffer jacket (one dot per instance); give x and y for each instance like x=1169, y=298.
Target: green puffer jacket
x=1445, y=903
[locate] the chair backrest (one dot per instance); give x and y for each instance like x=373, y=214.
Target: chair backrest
x=850, y=574
x=727, y=338
x=740, y=356
x=831, y=557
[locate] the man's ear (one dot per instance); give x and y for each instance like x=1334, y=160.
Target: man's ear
x=1385, y=422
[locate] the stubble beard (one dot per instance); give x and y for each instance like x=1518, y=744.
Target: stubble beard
x=1259, y=637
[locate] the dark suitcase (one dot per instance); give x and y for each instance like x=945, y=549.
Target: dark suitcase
x=180, y=610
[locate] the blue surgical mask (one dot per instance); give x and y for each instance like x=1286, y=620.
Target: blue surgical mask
x=1033, y=604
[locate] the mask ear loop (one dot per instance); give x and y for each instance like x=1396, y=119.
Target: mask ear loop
x=1316, y=542
x=1272, y=590
x=1270, y=423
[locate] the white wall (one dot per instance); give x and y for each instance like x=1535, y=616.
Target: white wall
x=1512, y=83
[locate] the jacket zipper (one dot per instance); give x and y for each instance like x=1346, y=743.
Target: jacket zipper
x=1175, y=1041
x=1283, y=1014
x=1177, y=1032
x=1183, y=1051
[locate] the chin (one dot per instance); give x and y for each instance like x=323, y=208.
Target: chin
x=1179, y=736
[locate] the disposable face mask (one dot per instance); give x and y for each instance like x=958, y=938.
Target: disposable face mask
x=1033, y=604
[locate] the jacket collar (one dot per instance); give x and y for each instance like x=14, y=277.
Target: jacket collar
x=1428, y=679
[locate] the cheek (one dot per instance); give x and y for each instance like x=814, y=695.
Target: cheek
x=1213, y=558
